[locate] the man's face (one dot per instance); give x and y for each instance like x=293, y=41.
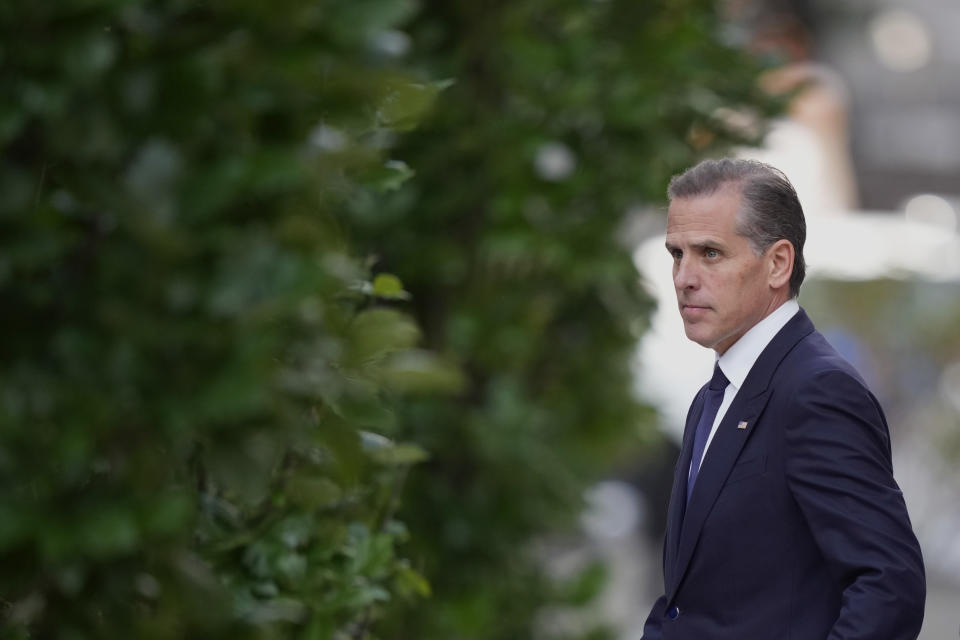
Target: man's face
x=723, y=286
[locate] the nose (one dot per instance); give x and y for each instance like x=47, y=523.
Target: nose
x=684, y=274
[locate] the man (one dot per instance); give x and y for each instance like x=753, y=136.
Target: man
x=785, y=520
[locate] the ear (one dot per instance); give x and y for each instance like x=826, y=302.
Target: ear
x=780, y=262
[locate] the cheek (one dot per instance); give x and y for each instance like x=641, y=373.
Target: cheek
x=749, y=279
x=736, y=292
x=729, y=287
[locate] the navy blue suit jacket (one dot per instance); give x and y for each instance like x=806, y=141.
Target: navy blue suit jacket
x=796, y=528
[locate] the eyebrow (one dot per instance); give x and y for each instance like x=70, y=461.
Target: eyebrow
x=703, y=244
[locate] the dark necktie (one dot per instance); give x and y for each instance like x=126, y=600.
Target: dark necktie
x=718, y=384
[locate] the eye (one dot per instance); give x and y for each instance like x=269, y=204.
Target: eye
x=711, y=253
x=676, y=253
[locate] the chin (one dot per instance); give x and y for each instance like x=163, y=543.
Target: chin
x=694, y=336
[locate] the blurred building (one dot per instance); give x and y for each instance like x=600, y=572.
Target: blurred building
x=901, y=62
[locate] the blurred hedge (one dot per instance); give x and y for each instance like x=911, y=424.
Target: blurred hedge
x=563, y=116
x=197, y=369
x=211, y=392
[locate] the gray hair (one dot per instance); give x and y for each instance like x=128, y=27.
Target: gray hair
x=771, y=209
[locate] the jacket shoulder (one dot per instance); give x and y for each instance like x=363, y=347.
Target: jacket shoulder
x=812, y=357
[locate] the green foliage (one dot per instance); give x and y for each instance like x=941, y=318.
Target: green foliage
x=216, y=420
x=562, y=116
x=197, y=380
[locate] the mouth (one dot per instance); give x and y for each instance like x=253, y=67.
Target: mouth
x=692, y=311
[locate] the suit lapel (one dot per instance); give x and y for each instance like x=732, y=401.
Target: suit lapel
x=720, y=458
x=722, y=453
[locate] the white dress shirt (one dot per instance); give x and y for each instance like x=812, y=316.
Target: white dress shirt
x=737, y=361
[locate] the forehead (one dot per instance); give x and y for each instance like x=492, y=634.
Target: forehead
x=713, y=215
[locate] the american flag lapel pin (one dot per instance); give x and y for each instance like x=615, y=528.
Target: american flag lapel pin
x=742, y=425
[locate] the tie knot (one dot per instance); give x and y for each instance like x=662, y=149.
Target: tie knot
x=719, y=381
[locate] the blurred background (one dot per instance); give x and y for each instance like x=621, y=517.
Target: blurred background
x=350, y=319
x=867, y=139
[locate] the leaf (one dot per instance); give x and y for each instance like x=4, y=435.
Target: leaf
x=400, y=455
x=417, y=370
x=391, y=176
x=374, y=441
x=386, y=451
x=410, y=582
x=406, y=103
x=379, y=331
x=366, y=411
x=383, y=329
x=313, y=493
x=387, y=285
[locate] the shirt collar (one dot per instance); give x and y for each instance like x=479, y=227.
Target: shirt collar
x=737, y=361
